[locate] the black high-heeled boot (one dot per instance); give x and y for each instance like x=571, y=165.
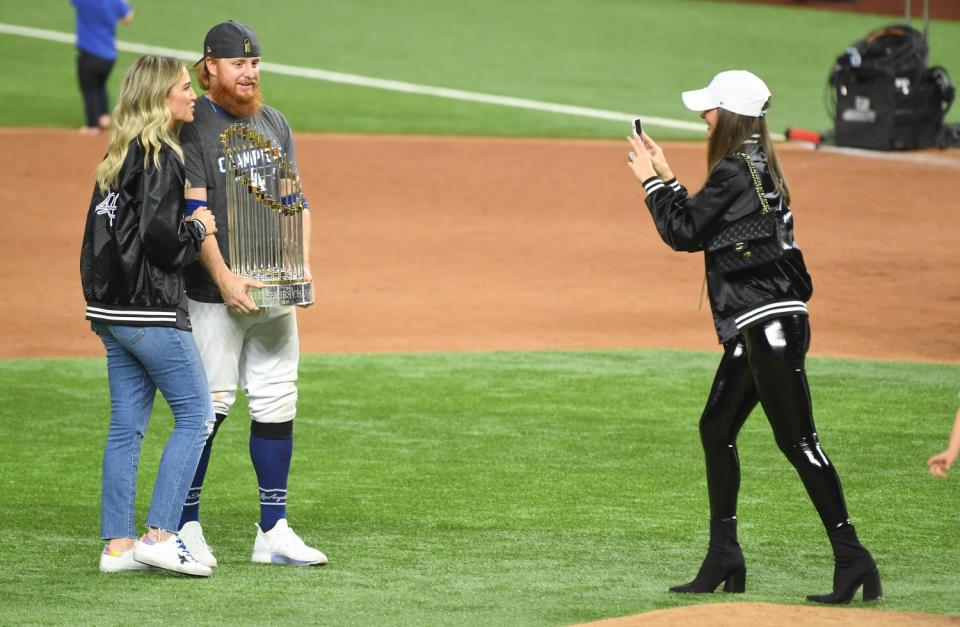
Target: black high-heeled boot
x=853, y=567
x=723, y=564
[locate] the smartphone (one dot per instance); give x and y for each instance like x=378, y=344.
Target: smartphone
x=637, y=127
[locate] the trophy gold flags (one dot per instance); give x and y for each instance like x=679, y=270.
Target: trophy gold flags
x=265, y=217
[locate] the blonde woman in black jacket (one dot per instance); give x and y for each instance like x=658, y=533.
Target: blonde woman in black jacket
x=760, y=315
x=135, y=244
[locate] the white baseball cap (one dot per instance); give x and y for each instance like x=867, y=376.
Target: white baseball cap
x=738, y=91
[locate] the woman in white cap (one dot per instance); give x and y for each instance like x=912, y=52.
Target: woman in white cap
x=760, y=314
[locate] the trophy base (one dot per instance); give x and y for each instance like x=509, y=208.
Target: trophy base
x=282, y=295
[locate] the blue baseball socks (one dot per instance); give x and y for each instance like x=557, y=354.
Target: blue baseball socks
x=271, y=448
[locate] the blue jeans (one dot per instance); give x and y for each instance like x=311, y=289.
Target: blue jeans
x=139, y=361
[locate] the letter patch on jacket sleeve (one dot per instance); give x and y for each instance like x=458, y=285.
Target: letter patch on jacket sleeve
x=108, y=206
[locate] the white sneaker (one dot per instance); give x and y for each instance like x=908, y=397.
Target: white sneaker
x=171, y=554
x=281, y=545
x=122, y=563
x=192, y=535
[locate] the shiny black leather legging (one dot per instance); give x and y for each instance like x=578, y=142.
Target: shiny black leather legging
x=766, y=363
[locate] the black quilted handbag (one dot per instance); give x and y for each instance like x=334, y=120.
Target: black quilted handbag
x=754, y=240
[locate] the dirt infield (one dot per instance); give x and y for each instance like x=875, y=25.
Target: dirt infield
x=938, y=10
x=452, y=244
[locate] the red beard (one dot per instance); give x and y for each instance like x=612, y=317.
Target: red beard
x=241, y=107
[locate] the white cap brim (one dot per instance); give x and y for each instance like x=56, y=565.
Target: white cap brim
x=699, y=100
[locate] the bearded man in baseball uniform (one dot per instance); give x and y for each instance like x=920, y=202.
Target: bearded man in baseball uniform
x=241, y=344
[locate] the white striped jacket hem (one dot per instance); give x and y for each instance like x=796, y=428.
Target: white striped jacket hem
x=771, y=310
x=121, y=315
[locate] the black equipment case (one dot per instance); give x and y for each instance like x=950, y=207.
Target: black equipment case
x=885, y=96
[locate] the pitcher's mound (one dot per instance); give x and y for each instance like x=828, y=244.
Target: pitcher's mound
x=773, y=615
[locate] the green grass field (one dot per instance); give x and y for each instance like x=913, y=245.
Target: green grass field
x=482, y=488
x=633, y=56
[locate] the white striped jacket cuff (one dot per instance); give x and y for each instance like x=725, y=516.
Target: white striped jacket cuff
x=652, y=184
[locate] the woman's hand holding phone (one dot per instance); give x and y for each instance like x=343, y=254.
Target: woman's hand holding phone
x=648, y=151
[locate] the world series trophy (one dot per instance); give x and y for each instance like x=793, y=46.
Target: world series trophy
x=265, y=218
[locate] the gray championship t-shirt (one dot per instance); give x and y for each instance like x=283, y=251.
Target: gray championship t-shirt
x=205, y=167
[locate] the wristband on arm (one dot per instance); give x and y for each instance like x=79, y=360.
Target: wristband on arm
x=192, y=205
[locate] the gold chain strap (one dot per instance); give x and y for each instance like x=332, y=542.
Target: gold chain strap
x=765, y=206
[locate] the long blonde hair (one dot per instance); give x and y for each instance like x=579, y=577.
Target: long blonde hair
x=142, y=112
x=732, y=131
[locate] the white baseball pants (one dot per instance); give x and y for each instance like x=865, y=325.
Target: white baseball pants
x=258, y=351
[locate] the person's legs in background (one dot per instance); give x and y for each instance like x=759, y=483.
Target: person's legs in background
x=92, y=75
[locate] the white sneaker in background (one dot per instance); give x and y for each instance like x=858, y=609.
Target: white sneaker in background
x=171, y=554
x=122, y=563
x=192, y=535
x=281, y=545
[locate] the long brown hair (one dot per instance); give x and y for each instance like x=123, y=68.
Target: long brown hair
x=732, y=130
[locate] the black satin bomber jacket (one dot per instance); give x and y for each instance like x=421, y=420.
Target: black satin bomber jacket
x=136, y=243
x=687, y=223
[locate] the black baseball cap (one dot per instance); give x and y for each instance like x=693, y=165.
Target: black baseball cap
x=230, y=40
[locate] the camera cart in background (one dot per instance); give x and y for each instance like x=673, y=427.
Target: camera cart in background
x=883, y=96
